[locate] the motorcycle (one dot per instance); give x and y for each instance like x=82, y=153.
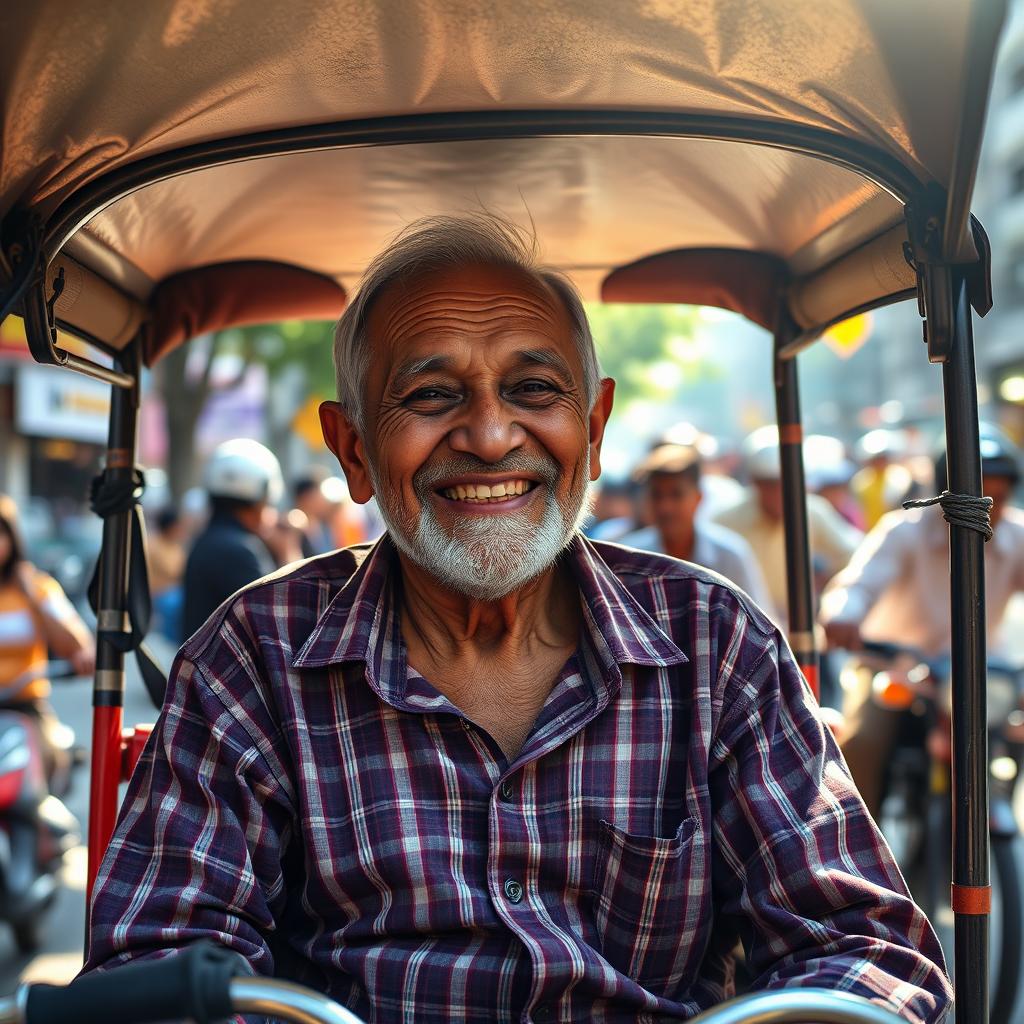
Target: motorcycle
x=914, y=813
x=36, y=829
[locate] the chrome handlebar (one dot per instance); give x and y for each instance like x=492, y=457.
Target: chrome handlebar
x=287, y=1002
x=294, y=1004
x=798, y=1006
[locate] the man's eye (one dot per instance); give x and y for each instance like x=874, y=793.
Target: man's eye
x=429, y=395
x=534, y=387
x=430, y=400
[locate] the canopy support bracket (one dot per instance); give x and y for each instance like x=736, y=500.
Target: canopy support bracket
x=25, y=264
x=935, y=273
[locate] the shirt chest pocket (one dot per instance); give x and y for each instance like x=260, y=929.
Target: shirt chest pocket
x=650, y=903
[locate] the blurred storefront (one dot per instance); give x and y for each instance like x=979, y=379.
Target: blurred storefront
x=53, y=428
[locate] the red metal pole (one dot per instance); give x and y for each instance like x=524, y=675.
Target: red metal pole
x=105, y=778
x=111, y=620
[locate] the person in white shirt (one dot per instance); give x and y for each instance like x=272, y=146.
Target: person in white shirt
x=896, y=589
x=671, y=474
x=758, y=519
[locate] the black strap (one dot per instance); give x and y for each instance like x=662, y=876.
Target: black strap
x=966, y=510
x=108, y=496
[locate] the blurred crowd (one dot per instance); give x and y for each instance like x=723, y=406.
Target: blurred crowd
x=881, y=571
x=241, y=524
x=695, y=498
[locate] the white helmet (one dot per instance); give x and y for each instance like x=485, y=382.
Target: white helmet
x=761, y=454
x=244, y=470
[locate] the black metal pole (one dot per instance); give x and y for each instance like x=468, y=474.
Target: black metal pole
x=971, y=895
x=799, y=577
x=112, y=618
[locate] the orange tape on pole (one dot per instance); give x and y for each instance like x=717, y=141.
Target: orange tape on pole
x=791, y=433
x=119, y=458
x=811, y=675
x=971, y=899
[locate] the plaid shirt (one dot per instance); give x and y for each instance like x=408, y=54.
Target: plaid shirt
x=310, y=800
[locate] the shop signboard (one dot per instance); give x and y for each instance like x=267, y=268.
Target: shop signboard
x=51, y=402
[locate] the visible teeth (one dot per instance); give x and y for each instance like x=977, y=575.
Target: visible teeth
x=484, y=492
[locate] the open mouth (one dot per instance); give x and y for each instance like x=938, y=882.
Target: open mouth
x=488, y=494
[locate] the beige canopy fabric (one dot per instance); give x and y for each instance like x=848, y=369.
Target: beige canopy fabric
x=93, y=86
x=595, y=202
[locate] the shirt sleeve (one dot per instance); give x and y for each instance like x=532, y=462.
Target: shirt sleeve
x=199, y=843
x=831, y=535
x=54, y=601
x=799, y=866
x=876, y=565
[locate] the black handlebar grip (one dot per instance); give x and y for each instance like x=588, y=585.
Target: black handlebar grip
x=192, y=984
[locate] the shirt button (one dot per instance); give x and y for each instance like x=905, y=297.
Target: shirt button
x=513, y=890
x=542, y=1014
x=506, y=790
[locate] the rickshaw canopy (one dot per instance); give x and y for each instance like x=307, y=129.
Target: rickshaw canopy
x=156, y=141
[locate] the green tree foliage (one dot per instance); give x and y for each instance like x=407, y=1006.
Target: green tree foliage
x=652, y=352
x=307, y=343
x=186, y=388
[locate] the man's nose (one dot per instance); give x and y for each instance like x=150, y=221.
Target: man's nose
x=488, y=429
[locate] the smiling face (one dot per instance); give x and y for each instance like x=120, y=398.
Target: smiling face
x=478, y=439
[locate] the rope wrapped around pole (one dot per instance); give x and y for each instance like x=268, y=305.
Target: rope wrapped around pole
x=966, y=510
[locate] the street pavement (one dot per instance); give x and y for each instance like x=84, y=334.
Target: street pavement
x=61, y=956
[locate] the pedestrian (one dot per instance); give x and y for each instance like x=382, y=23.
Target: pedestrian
x=759, y=519
x=309, y=498
x=671, y=475
x=165, y=555
x=36, y=621
x=243, y=481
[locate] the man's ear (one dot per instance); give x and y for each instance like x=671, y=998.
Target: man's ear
x=598, y=418
x=343, y=439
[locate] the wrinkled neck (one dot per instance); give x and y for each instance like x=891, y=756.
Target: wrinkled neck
x=545, y=609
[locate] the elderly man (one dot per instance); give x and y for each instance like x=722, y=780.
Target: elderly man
x=486, y=770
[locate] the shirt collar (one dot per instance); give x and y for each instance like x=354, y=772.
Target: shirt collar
x=616, y=620
x=361, y=622
x=354, y=616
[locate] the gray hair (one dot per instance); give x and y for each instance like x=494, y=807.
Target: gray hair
x=435, y=243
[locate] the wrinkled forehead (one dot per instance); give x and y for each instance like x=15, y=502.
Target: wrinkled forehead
x=475, y=303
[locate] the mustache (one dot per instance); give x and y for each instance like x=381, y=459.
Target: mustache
x=427, y=477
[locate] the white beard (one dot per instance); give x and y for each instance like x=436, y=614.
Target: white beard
x=488, y=557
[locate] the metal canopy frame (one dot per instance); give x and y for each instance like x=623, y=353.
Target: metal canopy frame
x=937, y=243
